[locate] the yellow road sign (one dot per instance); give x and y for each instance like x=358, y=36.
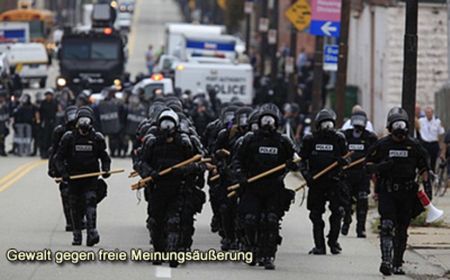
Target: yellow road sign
x=222, y=4
x=299, y=14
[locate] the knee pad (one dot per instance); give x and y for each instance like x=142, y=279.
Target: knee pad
x=386, y=228
x=91, y=199
x=173, y=224
x=272, y=220
x=250, y=220
x=363, y=195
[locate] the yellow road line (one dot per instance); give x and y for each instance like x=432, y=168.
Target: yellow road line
x=15, y=171
x=132, y=40
x=20, y=175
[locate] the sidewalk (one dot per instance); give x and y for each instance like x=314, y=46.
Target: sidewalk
x=433, y=243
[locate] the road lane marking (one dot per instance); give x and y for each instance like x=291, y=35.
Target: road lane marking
x=21, y=174
x=136, y=16
x=15, y=171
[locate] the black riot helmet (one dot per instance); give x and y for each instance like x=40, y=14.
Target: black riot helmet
x=325, y=120
x=70, y=115
x=398, y=122
x=359, y=122
x=154, y=110
x=85, y=119
x=228, y=115
x=168, y=121
x=269, y=117
x=253, y=120
x=243, y=117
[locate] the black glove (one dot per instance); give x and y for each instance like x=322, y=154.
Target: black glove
x=51, y=173
x=65, y=178
x=107, y=174
x=243, y=183
x=308, y=178
x=341, y=161
x=292, y=166
x=155, y=175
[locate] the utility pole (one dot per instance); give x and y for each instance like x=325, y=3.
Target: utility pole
x=248, y=25
x=274, y=33
x=318, y=75
x=410, y=61
x=263, y=32
x=293, y=54
x=341, y=83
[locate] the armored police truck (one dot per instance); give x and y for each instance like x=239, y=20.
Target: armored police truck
x=93, y=58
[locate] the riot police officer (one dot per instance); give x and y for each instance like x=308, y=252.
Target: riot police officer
x=4, y=122
x=110, y=114
x=359, y=140
x=135, y=113
x=396, y=159
x=319, y=150
x=58, y=132
x=262, y=203
x=165, y=196
x=80, y=152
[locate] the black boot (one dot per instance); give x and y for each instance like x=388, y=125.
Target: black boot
x=386, y=268
x=319, y=239
x=269, y=263
x=361, y=224
x=77, y=238
x=92, y=237
x=398, y=270
x=344, y=229
x=335, y=247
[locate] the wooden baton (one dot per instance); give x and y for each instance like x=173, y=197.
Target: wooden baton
x=142, y=182
x=89, y=175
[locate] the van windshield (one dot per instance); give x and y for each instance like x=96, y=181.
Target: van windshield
x=90, y=50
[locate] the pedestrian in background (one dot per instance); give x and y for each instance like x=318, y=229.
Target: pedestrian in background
x=431, y=136
x=149, y=59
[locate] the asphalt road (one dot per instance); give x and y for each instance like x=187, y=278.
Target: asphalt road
x=31, y=217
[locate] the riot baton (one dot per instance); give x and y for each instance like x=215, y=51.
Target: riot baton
x=142, y=182
x=259, y=176
x=90, y=175
x=325, y=171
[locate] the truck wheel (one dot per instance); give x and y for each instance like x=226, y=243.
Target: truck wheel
x=42, y=82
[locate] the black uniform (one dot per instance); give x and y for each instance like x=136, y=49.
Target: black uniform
x=4, y=122
x=167, y=195
x=262, y=203
x=396, y=159
x=110, y=114
x=358, y=180
x=47, y=113
x=58, y=133
x=319, y=150
x=80, y=152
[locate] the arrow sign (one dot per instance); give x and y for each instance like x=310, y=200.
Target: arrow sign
x=325, y=28
x=326, y=18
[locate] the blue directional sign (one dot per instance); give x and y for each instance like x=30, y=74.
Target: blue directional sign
x=330, y=57
x=325, y=28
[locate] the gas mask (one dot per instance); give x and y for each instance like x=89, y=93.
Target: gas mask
x=228, y=119
x=358, y=131
x=84, y=125
x=399, y=130
x=326, y=126
x=243, y=121
x=268, y=123
x=167, y=126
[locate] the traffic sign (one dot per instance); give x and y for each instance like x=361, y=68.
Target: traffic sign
x=326, y=18
x=222, y=4
x=330, y=57
x=299, y=14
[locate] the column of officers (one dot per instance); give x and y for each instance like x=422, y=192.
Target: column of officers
x=241, y=143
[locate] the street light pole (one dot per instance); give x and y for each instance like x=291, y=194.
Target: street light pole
x=341, y=83
x=263, y=34
x=410, y=61
x=274, y=27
